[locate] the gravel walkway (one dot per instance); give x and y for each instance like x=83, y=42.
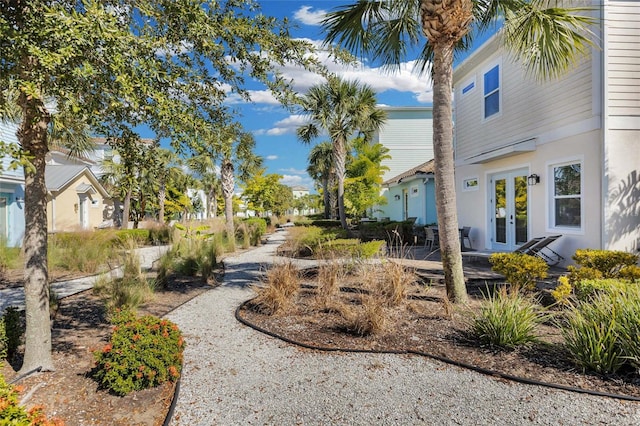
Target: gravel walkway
x=234, y=375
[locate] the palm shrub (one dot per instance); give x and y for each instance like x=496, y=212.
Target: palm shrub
x=591, y=333
x=519, y=269
x=142, y=352
x=507, y=320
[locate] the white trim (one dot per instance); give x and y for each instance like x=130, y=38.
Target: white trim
x=618, y=122
x=550, y=197
x=577, y=128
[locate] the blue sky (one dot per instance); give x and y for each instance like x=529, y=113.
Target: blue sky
x=274, y=127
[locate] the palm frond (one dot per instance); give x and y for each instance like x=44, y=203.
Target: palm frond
x=547, y=40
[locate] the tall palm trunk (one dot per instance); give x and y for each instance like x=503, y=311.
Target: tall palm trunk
x=226, y=175
x=444, y=24
x=340, y=159
x=32, y=135
x=326, y=197
x=333, y=196
x=444, y=165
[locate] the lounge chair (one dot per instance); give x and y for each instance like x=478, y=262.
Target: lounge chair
x=542, y=250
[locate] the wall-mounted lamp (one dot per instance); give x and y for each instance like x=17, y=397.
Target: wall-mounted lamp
x=533, y=179
x=397, y=197
x=19, y=199
x=75, y=208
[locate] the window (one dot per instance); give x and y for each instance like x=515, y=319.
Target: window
x=567, y=195
x=492, y=92
x=468, y=86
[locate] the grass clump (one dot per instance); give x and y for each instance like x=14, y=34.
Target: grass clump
x=280, y=286
x=81, y=251
x=394, y=283
x=507, y=320
x=368, y=319
x=143, y=352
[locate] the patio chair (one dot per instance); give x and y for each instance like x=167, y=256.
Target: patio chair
x=526, y=246
x=544, y=252
x=430, y=238
x=464, y=235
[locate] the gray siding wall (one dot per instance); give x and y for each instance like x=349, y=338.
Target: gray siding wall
x=408, y=134
x=527, y=108
x=623, y=58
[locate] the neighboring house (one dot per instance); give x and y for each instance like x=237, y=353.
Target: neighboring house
x=413, y=195
x=299, y=191
x=11, y=192
x=408, y=135
x=76, y=199
x=557, y=157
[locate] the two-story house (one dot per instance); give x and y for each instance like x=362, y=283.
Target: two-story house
x=409, y=190
x=556, y=157
x=11, y=192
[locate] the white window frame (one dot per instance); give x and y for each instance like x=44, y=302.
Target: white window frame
x=551, y=210
x=471, y=184
x=489, y=67
x=470, y=82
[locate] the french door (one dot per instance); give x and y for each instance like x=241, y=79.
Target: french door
x=509, y=210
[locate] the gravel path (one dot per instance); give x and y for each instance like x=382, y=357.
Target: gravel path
x=234, y=375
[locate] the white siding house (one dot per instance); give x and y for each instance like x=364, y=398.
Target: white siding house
x=408, y=134
x=557, y=157
x=11, y=192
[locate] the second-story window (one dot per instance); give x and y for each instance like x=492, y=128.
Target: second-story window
x=492, y=92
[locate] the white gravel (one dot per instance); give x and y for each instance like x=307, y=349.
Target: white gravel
x=234, y=375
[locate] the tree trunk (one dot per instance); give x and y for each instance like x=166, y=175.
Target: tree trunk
x=162, y=196
x=127, y=208
x=326, y=197
x=340, y=160
x=226, y=175
x=444, y=172
x=32, y=135
x=333, y=196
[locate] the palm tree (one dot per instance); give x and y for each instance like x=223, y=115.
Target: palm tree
x=321, y=169
x=207, y=172
x=545, y=37
x=340, y=108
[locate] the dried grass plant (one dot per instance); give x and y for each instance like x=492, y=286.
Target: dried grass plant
x=279, y=287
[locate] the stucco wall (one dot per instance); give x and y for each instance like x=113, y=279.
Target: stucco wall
x=65, y=208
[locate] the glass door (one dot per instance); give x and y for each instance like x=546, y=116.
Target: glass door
x=509, y=218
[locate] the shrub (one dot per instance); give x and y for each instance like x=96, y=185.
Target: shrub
x=143, y=352
x=520, y=270
x=280, y=286
x=140, y=236
x=160, y=235
x=9, y=257
x=575, y=274
x=12, y=413
x=608, y=262
x=562, y=293
x=326, y=223
x=507, y=320
x=587, y=289
x=629, y=325
x=591, y=335
x=630, y=272
x=81, y=251
x=257, y=227
x=11, y=331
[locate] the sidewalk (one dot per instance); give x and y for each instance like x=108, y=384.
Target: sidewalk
x=234, y=375
x=15, y=296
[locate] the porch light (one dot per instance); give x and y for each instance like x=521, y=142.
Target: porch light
x=533, y=179
x=397, y=197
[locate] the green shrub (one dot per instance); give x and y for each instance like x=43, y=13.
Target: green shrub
x=143, y=352
x=629, y=324
x=587, y=289
x=326, y=223
x=608, y=262
x=630, y=272
x=591, y=333
x=11, y=331
x=12, y=413
x=160, y=235
x=81, y=251
x=140, y=236
x=577, y=274
x=507, y=320
x=257, y=227
x=520, y=270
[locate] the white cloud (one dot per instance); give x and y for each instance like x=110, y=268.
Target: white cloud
x=308, y=16
x=294, y=171
x=285, y=126
x=271, y=157
x=294, y=180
